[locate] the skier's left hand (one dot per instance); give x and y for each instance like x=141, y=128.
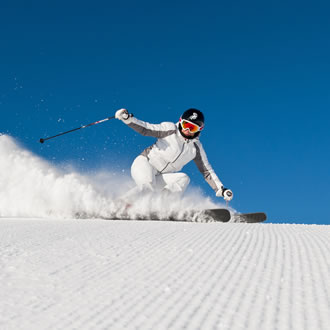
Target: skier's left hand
x=226, y=193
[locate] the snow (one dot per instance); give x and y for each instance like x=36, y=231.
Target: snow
x=94, y=274
x=57, y=272
x=33, y=187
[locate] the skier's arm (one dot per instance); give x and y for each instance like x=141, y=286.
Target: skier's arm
x=206, y=169
x=209, y=175
x=155, y=130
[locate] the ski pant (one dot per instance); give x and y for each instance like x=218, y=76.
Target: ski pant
x=147, y=177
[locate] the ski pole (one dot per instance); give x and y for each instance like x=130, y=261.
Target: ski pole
x=76, y=129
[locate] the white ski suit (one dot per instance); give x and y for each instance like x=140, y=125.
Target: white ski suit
x=158, y=166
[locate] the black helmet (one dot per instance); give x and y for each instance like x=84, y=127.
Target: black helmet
x=195, y=116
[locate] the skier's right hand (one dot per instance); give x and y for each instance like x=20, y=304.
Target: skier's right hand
x=122, y=114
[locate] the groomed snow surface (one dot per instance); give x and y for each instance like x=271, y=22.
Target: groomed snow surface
x=60, y=273
x=98, y=274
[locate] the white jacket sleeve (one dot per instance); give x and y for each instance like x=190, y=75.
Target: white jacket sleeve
x=155, y=130
x=206, y=169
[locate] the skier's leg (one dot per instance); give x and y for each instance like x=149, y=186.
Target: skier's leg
x=175, y=182
x=144, y=176
x=143, y=173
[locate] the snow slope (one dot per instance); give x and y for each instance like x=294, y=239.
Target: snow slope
x=93, y=274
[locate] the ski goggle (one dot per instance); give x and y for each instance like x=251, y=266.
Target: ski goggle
x=193, y=128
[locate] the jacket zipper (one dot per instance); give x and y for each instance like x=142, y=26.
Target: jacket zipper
x=174, y=159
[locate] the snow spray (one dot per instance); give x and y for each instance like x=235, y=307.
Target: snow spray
x=33, y=187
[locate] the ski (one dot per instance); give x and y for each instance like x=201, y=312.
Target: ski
x=219, y=215
x=248, y=217
x=223, y=215
x=207, y=215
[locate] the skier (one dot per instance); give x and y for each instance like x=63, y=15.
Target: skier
x=158, y=166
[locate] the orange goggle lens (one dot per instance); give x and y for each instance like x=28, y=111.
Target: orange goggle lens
x=193, y=128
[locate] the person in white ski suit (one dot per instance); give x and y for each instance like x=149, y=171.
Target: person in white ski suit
x=158, y=166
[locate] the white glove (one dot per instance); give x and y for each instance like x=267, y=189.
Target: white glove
x=122, y=114
x=227, y=194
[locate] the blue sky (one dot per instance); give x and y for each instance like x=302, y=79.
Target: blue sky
x=259, y=71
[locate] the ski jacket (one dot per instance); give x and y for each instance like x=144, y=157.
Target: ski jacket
x=172, y=151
